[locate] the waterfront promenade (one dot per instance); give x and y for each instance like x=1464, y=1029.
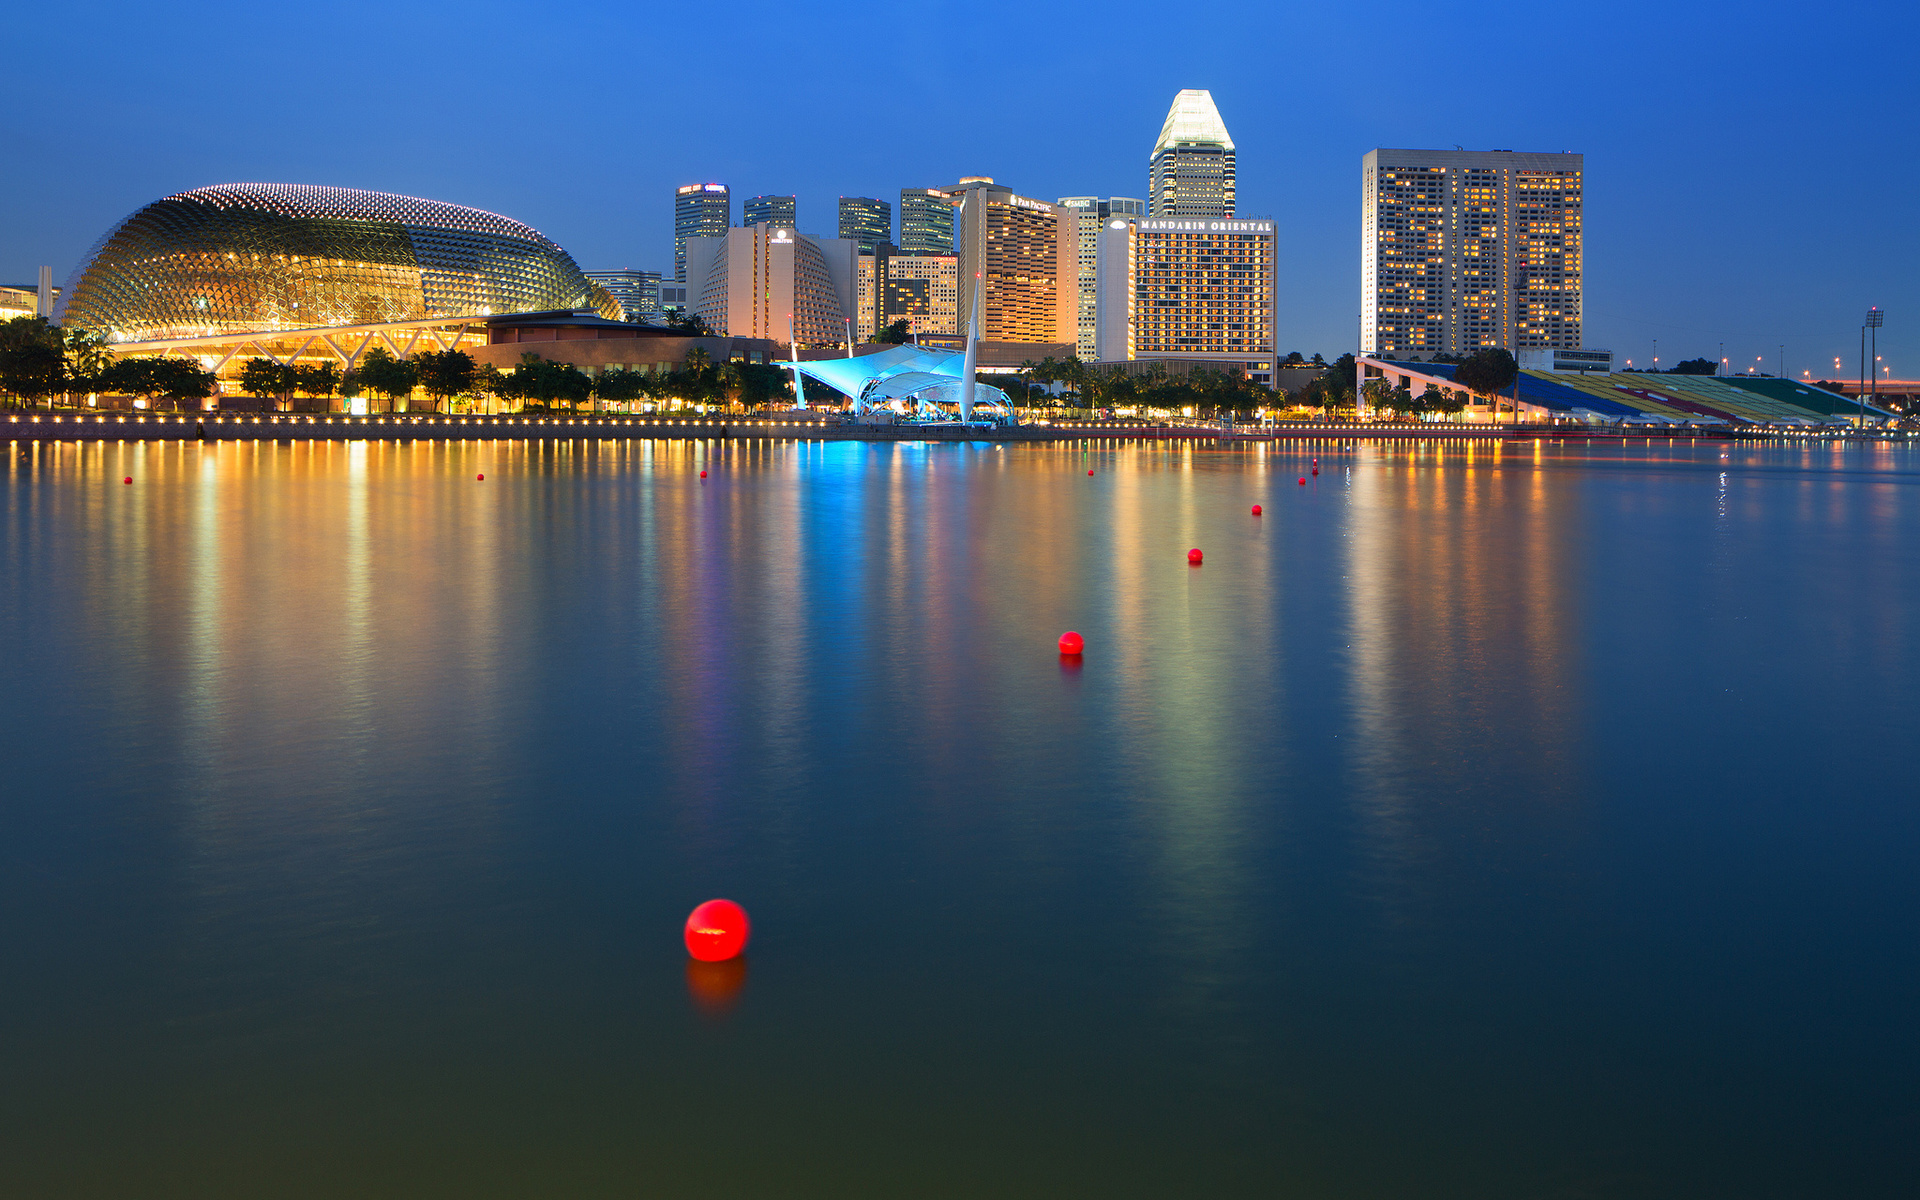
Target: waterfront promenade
x=120, y=426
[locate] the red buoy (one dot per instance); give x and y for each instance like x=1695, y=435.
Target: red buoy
x=1089, y=472
x=479, y=478
x=1256, y=510
x=1194, y=556
x=1072, y=643
x=128, y=479
x=1316, y=470
x=717, y=931
x=703, y=474
x=1303, y=481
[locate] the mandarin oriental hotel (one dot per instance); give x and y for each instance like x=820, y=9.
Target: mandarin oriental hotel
x=1188, y=288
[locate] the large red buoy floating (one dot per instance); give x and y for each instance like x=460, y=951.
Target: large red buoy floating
x=128, y=479
x=1089, y=471
x=479, y=478
x=1256, y=510
x=703, y=474
x=1316, y=470
x=1194, y=556
x=717, y=931
x=1303, y=481
x=1072, y=643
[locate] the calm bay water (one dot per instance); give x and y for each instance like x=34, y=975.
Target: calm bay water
x=1479, y=823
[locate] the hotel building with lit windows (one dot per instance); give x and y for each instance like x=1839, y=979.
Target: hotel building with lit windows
x=754, y=280
x=1089, y=216
x=1198, y=290
x=1022, y=252
x=699, y=210
x=1464, y=249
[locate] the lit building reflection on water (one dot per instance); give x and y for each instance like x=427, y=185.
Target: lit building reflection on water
x=1464, y=625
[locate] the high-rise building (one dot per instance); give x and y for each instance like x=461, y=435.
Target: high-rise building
x=783, y=211
x=1022, y=251
x=866, y=221
x=1462, y=249
x=699, y=210
x=926, y=221
x=1189, y=289
x=1191, y=172
x=924, y=291
x=637, y=291
x=1089, y=215
x=756, y=279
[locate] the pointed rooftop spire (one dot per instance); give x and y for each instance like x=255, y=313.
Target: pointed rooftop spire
x=1193, y=118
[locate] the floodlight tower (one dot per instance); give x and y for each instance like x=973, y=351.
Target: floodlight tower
x=1875, y=318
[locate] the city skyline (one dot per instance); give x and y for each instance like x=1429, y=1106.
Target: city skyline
x=1668, y=256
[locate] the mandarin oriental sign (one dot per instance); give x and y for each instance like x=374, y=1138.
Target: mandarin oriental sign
x=1206, y=226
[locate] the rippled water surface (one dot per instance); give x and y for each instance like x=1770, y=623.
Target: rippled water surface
x=1474, y=823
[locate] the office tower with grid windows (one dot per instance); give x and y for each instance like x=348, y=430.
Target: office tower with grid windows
x=1191, y=172
x=924, y=291
x=866, y=221
x=1089, y=216
x=783, y=211
x=926, y=221
x=1465, y=249
x=637, y=291
x=699, y=210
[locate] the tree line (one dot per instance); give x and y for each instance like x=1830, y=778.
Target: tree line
x=538, y=383
x=1226, y=390
x=39, y=362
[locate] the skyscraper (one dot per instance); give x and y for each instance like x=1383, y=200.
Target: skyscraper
x=771, y=210
x=637, y=291
x=1461, y=249
x=1024, y=253
x=699, y=210
x=866, y=221
x=1089, y=215
x=1191, y=171
x=926, y=221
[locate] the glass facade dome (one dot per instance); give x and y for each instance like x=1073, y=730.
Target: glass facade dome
x=258, y=257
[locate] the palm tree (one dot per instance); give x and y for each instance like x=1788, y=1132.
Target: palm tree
x=732, y=378
x=87, y=357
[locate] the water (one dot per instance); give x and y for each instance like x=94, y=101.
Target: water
x=1478, y=823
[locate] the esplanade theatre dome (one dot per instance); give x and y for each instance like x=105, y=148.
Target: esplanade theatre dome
x=256, y=257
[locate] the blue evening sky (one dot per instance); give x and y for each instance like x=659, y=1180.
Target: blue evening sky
x=1751, y=168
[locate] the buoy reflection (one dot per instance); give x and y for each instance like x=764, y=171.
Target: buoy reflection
x=715, y=986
